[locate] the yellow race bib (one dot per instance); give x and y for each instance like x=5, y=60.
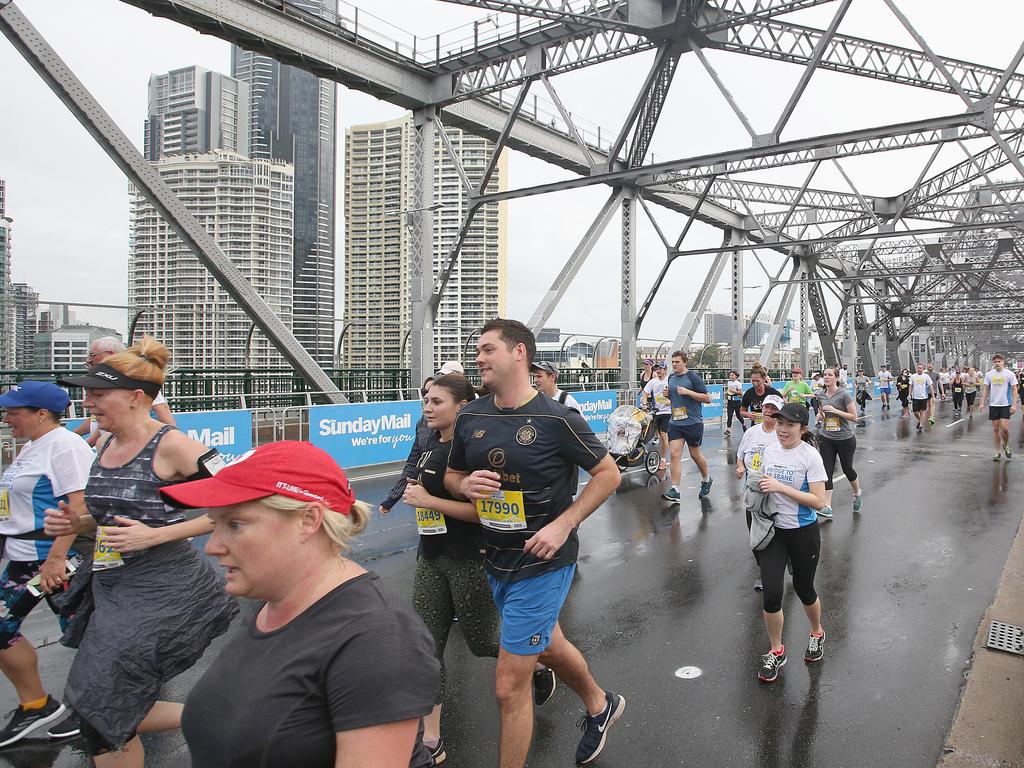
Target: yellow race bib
x=104, y=556
x=679, y=413
x=755, y=462
x=758, y=418
x=833, y=424
x=430, y=522
x=503, y=511
x=5, y=505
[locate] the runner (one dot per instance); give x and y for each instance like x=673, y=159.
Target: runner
x=647, y=374
x=512, y=454
x=795, y=479
x=885, y=387
x=688, y=394
x=157, y=602
x=797, y=390
x=922, y=393
x=333, y=668
x=862, y=386
x=936, y=391
x=750, y=454
x=944, y=377
x=1000, y=392
x=657, y=388
x=53, y=466
x=903, y=391
x=836, y=418
x=956, y=387
x=733, y=398
x=844, y=377
x=971, y=381
x=545, y=376
x=750, y=407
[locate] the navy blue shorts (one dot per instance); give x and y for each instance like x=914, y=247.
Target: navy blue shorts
x=661, y=421
x=693, y=434
x=529, y=609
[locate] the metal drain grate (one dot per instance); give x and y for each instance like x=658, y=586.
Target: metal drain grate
x=1005, y=637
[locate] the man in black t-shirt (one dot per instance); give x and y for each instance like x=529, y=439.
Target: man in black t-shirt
x=514, y=455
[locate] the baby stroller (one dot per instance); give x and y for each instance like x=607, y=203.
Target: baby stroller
x=629, y=436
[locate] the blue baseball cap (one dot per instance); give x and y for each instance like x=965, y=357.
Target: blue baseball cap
x=36, y=394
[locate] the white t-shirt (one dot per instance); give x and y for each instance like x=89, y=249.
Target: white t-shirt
x=657, y=388
x=45, y=472
x=734, y=389
x=1000, y=384
x=752, y=447
x=798, y=468
x=884, y=377
x=921, y=384
x=570, y=401
x=944, y=377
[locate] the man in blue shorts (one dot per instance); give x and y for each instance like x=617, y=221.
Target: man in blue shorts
x=515, y=455
x=688, y=394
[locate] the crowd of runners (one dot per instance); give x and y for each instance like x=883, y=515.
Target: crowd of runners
x=333, y=668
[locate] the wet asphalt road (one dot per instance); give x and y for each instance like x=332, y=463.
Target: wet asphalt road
x=903, y=585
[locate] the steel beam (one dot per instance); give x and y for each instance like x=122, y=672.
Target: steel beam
x=781, y=317
x=627, y=291
x=688, y=329
x=421, y=219
x=70, y=90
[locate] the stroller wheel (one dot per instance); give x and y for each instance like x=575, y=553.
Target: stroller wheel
x=652, y=462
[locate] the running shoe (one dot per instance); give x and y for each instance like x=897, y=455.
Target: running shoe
x=24, y=722
x=931, y=421
x=815, y=648
x=671, y=495
x=544, y=684
x=826, y=512
x=437, y=754
x=771, y=663
x=758, y=586
x=727, y=432
x=858, y=501
x=705, y=487
x=1008, y=451
x=996, y=456
x=66, y=728
x=595, y=728
x=918, y=427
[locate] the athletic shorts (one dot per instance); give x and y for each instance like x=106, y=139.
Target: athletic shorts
x=16, y=602
x=997, y=412
x=661, y=421
x=529, y=609
x=885, y=390
x=921, y=404
x=693, y=434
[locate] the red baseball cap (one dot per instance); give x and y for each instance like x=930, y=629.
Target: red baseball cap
x=290, y=468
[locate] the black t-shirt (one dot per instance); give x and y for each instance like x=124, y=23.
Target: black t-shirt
x=752, y=401
x=462, y=539
x=357, y=657
x=536, y=449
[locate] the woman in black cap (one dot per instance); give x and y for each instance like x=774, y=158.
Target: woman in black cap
x=794, y=478
x=157, y=602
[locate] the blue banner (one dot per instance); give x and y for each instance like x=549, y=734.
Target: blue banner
x=365, y=433
x=230, y=432
x=715, y=408
x=596, y=407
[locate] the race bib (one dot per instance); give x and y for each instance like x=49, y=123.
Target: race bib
x=5, y=506
x=998, y=381
x=105, y=557
x=758, y=418
x=662, y=399
x=833, y=424
x=679, y=413
x=755, y=462
x=430, y=522
x=503, y=511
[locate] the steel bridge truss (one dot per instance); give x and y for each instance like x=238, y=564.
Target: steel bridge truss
x=942, y=258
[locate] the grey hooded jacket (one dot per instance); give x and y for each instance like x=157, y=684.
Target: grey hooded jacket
x=762, y=513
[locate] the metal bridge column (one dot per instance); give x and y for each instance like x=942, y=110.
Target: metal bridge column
x=738, y=322
x=692, y=318
x=421, y=221
x=805, y=336
x=627, y=347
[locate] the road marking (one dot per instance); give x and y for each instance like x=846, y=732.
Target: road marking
x=954, y=423
x=840, y=476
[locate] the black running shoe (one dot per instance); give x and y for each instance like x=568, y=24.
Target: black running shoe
x=544, y=684
x=26, y=722
x=66, y=728
x=595, y=729
x=815, y=648
x=771, y=663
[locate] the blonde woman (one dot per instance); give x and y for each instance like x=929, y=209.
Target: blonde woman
x=333, y=669
x=157, y=603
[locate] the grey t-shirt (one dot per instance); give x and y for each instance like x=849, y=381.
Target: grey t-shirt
x=934, y=376
x=831, y=426
x=357, y=657
x=861, y=382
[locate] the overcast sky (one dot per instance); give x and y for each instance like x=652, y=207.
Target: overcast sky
x=70, y=203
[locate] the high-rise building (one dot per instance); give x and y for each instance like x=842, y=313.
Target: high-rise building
x=292, y=118
x=718, y=330
x=6, y=306
x=378, y=193
x=246, y=205
x=66, y=348
x=193, y=110
x=25, y=303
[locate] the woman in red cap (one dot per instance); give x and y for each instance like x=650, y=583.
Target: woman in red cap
x=333, y=669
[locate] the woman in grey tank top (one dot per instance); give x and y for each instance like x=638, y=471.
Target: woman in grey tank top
x=156, y=603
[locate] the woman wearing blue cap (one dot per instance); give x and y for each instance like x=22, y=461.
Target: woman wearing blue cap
x=52, y=467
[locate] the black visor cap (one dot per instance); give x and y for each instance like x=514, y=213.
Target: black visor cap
x=103, y=376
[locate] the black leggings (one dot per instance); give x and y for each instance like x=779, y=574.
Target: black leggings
x=733, y=408
x=844, y=449
x=958, y=400
x=970, y=398
x=801, y=547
